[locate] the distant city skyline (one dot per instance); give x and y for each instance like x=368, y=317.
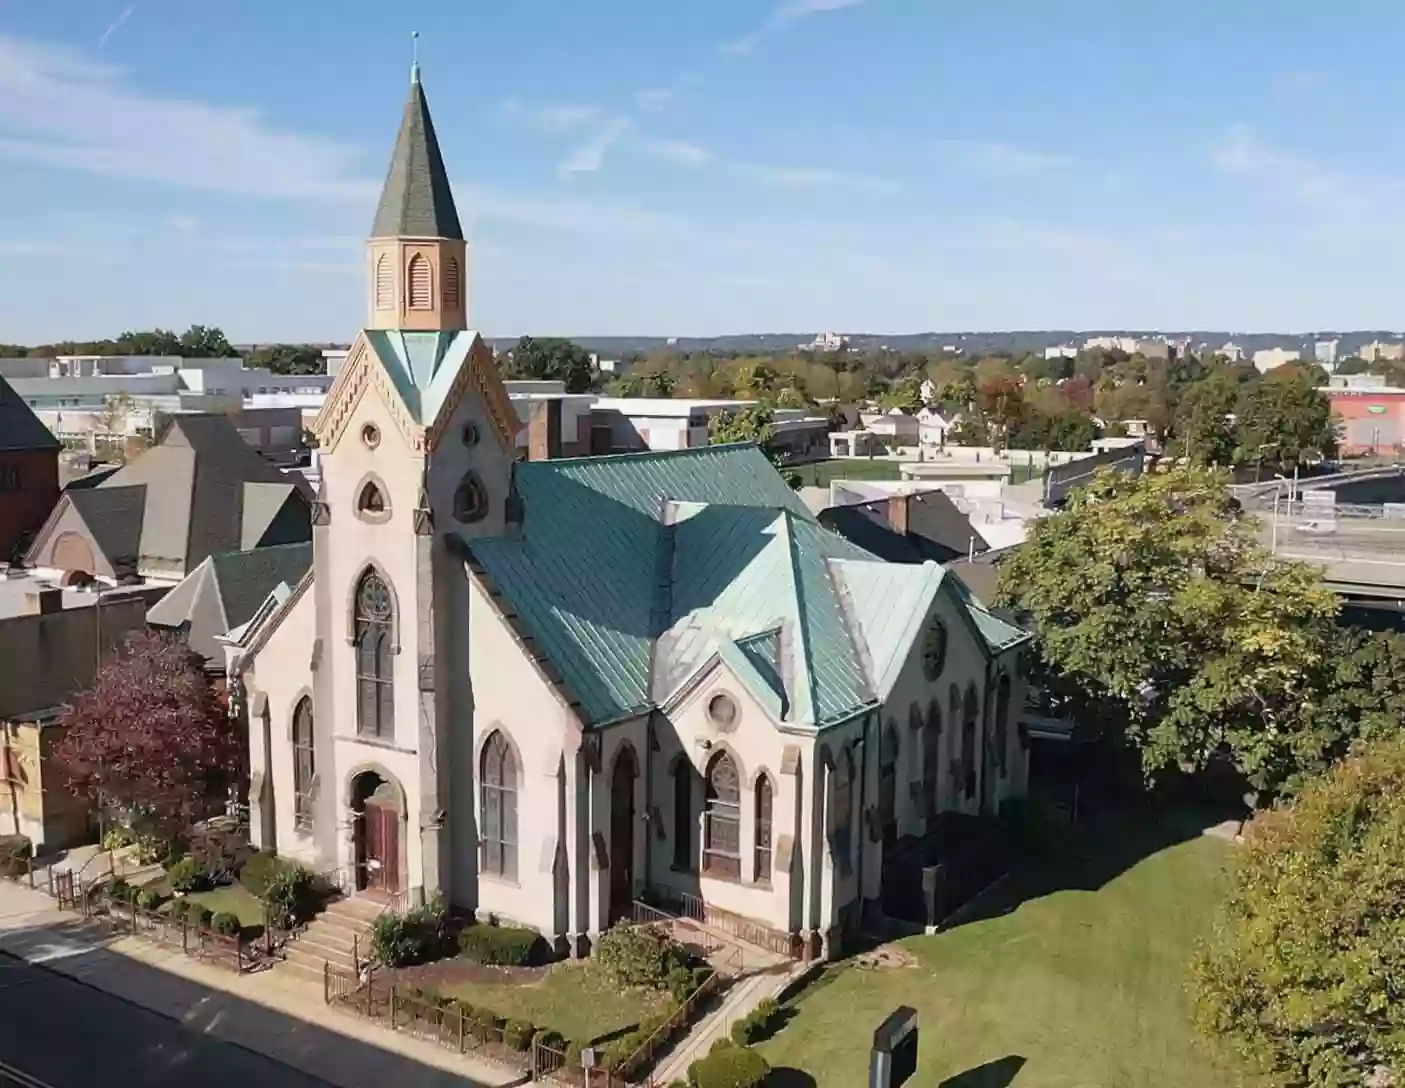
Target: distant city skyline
x=704, y=169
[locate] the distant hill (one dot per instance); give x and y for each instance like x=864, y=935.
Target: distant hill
x=971, y=343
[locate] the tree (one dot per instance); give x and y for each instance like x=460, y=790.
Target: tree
x=288, y=359
x=1204, y=430
x=1152, y=595
x=205, y=342
x=150, y=737
x=755, y=423
x=552, y=358
x=904, y=394
x=1284, y=422
x=1304, y=972
x=116, y=410
x=1001, y=402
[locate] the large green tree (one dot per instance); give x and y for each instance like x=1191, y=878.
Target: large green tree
x=552, y=358
x=1305, y=975
x=1204, y=424
x=1152, y=597
x=288, y=359
x=1283, y=421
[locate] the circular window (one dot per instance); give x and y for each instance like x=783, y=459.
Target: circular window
x=934, y=650
x=471, y=499
x=722, y=711
x=371, y=436
x=470, y=434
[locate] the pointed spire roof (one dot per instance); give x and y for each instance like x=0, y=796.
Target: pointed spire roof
x=417, y=201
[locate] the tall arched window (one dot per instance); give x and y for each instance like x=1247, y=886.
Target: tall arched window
x=722, y=819
x=385, y=283
x=497, y=821
x=1002, y=722
x=969, y=726
x=763, y=830
x=842, y=810
x=888, y=784
x=304, y=765
x=683, y=859
x=452, y=284
x=931, y=760
x=375, y=686
x=420, y=278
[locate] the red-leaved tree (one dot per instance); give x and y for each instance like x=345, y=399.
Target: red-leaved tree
x=150, y=736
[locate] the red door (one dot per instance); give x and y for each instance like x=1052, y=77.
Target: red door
x=382, y=860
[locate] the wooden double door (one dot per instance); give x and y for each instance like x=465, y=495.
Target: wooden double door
x=380, y=861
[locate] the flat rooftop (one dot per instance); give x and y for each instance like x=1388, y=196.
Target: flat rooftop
x=16, y=586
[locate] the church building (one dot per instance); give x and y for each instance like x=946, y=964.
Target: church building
x=545, y=689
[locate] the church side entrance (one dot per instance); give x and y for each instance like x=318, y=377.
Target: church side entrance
x=622, y=835
x=379, y=858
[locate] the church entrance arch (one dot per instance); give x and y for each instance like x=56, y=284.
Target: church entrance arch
x=622, y=834
x=377, y=815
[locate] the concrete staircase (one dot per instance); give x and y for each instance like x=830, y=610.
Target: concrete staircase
x=334, y=937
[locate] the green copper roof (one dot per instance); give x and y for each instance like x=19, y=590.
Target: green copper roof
x=417, y=201
x=634, y=574
x=422, y=365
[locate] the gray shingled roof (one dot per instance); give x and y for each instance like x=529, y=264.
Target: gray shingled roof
x=417, y=200
x=20, y=428
x=225, y=591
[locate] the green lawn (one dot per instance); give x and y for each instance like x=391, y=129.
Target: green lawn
x=573, y=999
x=820, y=473
x=1071, y=989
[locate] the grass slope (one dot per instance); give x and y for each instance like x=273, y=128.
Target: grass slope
x=1070, y=989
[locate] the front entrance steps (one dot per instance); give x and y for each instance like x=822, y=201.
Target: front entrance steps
x=337, y=936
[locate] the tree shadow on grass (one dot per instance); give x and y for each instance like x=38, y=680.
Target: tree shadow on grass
x=997, y=1074
x=788, y=1077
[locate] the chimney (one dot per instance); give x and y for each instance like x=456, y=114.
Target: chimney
x=544, y=430
x=43, y=602
x=898, y=512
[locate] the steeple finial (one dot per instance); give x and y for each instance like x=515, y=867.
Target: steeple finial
x=414, y=56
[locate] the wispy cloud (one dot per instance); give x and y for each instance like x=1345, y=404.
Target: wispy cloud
x=1297, y=179
x=678, y=152
x=654, y=99
x=1006, y=160
x=57, y=108
x=116, y=24
x=816, y=177
x=788, y=14
x=552, y=117
x=589, y=157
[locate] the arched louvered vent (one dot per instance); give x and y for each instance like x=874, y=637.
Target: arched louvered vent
x=452, y=284
x=385, y=283
x=421, y=281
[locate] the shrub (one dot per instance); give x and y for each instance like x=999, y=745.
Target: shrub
x=15, y=852
x=1303, y=973
x=1034, y=826
x=758, y=1024
x=226, y=924
x=550, y=1038
x=518, y=1034
x=119, y=891
x=186, y=876
x=501, y=946
x=729, y=1066
x=401, y=940
x=288, y=897
x=260, y=871
x=219, y=854
x=639, y=955
x=149, y=899
x=114, y=838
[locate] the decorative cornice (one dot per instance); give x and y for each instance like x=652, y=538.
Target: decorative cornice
x=362, y=367
x=483, y=377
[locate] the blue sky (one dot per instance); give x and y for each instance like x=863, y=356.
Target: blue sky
x=697, y=167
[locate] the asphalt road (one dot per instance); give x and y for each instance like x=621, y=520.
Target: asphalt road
x=57, y=1033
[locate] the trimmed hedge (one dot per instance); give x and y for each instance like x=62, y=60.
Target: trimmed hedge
x=518, y=1034
x=757, y=1025
x=501, y=946
x=729, y=1066
x=418, y=936
x=187, y=876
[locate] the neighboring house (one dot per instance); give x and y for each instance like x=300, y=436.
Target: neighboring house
x=29, y=472
x=542, y=689
x=910, y=528
x=199, y=491
x=224, y=592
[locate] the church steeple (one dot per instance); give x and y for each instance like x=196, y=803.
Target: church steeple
x=417, y=255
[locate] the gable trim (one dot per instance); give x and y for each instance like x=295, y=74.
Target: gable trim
x=273, y=621
x=361, y=369
x=479, y=373
x=41, y=538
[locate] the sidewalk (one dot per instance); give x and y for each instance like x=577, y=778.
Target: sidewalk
x=273, y=1013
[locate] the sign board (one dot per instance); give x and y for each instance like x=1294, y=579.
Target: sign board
x=1376, y=409
x=894, y=1058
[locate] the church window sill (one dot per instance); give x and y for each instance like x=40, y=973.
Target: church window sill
x=375, y=742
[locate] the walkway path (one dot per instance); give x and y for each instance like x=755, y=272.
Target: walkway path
x=272, y=1013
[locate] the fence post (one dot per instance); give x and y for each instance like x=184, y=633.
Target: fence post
x=134, y=912
x=461, y=1020
x=392, y=1006
x=370, y=985
x=326, y=983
